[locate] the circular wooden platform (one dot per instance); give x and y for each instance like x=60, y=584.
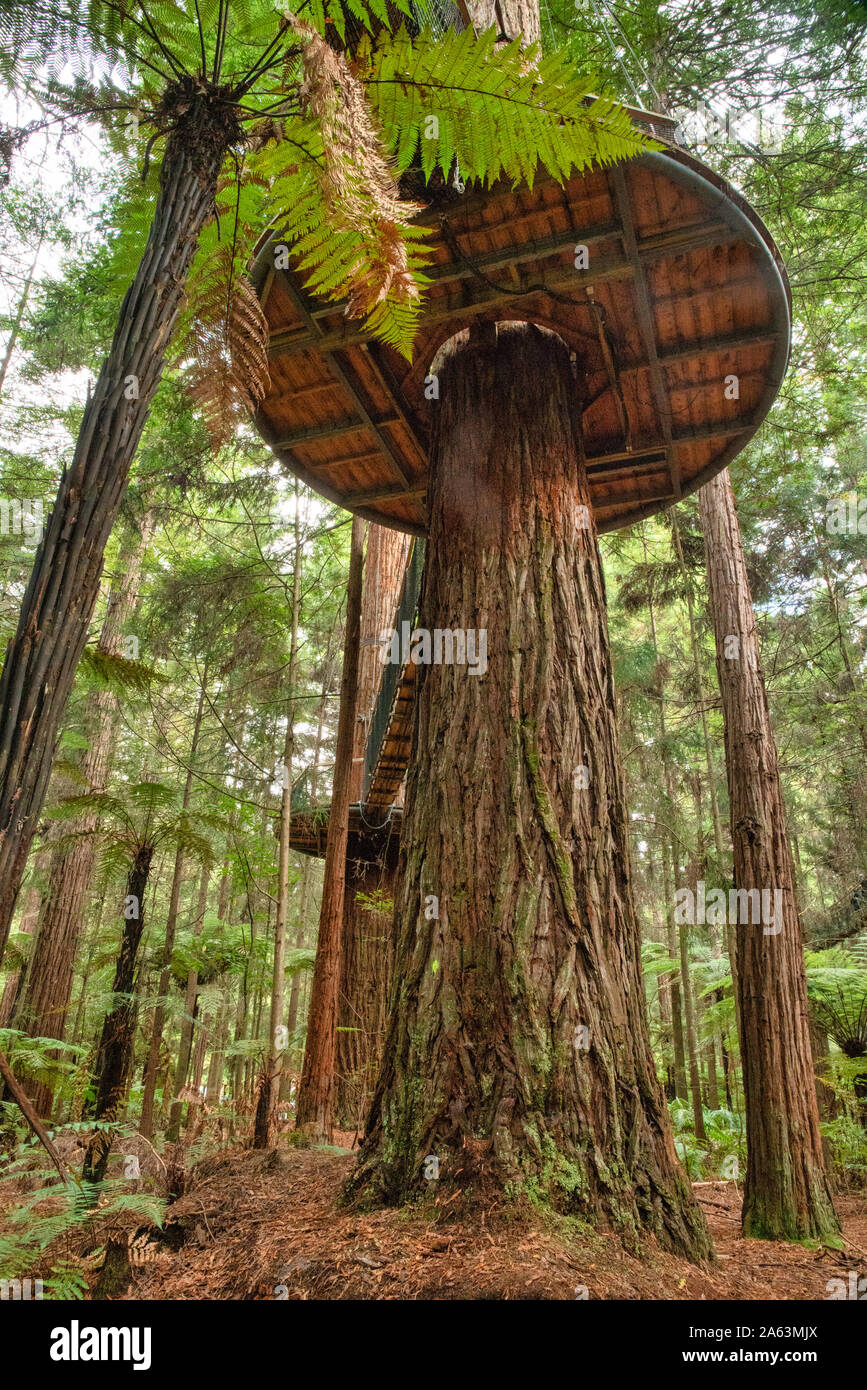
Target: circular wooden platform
x=684, y=291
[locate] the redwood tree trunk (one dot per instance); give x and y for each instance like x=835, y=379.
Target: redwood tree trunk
x=316, y=1091
x=367, y=952
x=114, y=1058
x=42, y=657
x=786, y=1192
x=518, y=1049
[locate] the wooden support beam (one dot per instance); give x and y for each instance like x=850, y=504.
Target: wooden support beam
x=353, y=500
x=616, y=474
x=391, y=387
x=596, y=465
x=297, y=395
x=723, y=430
x=338, y=371
x=450, y=271
x=686, y=353
x=645, y=322
x=483, y=299
x=634, y=501
x=733, y=343
x=330, y=430
x=349, y=458
x=267, y=285
x=352, y=391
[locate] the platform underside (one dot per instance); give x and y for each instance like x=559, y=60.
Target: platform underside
x=684, y=291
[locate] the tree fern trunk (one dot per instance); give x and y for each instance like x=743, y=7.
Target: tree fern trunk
x=53, y=626
x=114, y=1057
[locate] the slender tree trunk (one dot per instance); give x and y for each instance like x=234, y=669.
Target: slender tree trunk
x=217, y=1060
x=27, y=926
x=300, y=937
x=786, y=1192
x=152, y=1066
x=265, y=1126
x=188, y=1025
x=301, y=932
x=518, y=1049
x=114, y=1057
x=77, y=1026
x=45, y=1000
x=668, y=877
x=199, y=1058
x=384, y=569
x=17, y=321
x=699, y=682
x=218, y=1055
x=712, y=1082
x=316, y=1091
x=691, y=1038
x=681, y=1089
x=365, y=979
x=42, y=657
x=825, y=1098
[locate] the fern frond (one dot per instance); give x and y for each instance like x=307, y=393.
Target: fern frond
x=357, y=179
x=116, y=672
x=227, y=339
x=458, y=99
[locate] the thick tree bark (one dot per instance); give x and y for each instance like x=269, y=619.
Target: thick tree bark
x=114, y=1057
x=45, y=1000
x=518, y=1051
x=42, y=657
x=316, y=1091
x=509, y=17
x=786, y=1192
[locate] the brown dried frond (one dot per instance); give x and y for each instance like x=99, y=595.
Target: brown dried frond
x=229, y=346
x=358, y=179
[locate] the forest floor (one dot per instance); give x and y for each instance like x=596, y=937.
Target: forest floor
x=260, y=1225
